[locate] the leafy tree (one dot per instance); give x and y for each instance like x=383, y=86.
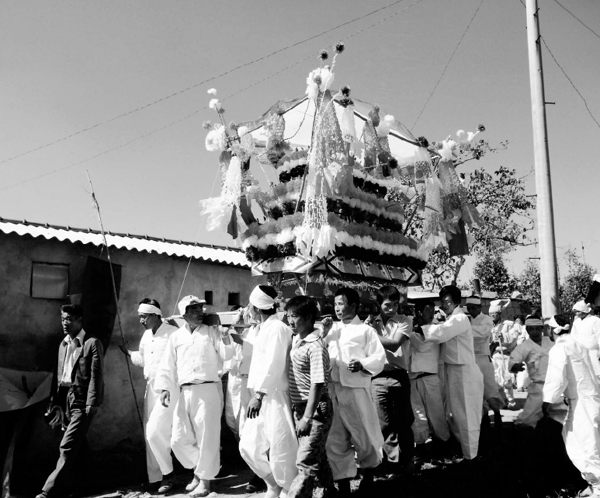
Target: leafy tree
x=577, y=282
x=492, y=273
x=505, y=209
x=529, y=284
x=506, y=212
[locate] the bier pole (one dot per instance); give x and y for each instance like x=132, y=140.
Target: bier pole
x=543, y=186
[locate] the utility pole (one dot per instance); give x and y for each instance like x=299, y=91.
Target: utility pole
x=543, y=185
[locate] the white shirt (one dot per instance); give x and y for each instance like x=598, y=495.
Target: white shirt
x=396, y=327
x=354, y=341
x=569, y=371
x=192, y=357
x=72, y=352
x=151, y=349
x=535, y=356
x=424, y=356
x=482, y=326
x=456, y=337
x=271, y=342
x=587, y=333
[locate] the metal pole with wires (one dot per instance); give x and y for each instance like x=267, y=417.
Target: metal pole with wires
x=116, y=297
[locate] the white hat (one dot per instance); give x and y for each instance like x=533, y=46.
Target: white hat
x=496, y=306
x=473, y=300
x=582, y=306
x=516, y=295
x=189, y=301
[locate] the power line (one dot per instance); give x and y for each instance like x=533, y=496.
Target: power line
x=172, y=123
x=446, y=66
x=579, y=20
x=570, y=81
x=196, y=85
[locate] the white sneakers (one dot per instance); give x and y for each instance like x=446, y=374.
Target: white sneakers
x=203, y=489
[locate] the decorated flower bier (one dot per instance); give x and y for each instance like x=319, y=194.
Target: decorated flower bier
x=338, y=179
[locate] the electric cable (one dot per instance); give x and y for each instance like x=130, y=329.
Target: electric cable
x=446, y=66
x=196, y=85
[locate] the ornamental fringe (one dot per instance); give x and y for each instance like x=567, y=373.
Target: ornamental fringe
x=219, y=210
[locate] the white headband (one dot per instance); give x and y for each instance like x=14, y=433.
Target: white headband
x=189, y=301
x=473, y=300
x=534, y=321
x=149, y=309
x=582, y=306
x=554, y=324
x=261, y=300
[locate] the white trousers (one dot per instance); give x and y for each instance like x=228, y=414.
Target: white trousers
x=237, y=398
x=355, y=429
x=197, y=429
x=428, y=406
x=464, y=395
x=268, y=442
x=582, y=437
x=532, y=410
x=491, y=389
x=158, y=422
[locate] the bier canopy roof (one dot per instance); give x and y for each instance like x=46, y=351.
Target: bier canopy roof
x=299, y=115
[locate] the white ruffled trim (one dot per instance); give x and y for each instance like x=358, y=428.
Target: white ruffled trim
x=341, y=238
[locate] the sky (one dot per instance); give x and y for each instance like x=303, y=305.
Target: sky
x=135, y=75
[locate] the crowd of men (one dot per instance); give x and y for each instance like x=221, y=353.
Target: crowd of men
x=311, y=404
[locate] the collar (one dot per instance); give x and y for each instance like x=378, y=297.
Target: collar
x=315, y=335
x=396, y=317
x=79, y=337
x=162, y=327
x=458, y=311
x=189, y=328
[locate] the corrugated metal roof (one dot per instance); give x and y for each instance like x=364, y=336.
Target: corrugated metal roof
x=215, y=254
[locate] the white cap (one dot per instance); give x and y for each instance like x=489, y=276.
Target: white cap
x=473, y=300
x=189, y=301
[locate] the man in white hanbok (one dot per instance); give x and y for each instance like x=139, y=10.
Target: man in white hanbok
x=533, y=352
x=238, y=395
x=356, y=356
x=425, y=387
x=158, y=419
x=463, y=379
x=571, y=373
x=268, y=441
x=586, y=331
x=482, y=336
x=504, y=342
x=192, y=360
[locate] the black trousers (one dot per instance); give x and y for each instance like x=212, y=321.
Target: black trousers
x=73, y=440
x=391, y=393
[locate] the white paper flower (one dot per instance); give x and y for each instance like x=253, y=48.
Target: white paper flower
x=447, y=151
x=318, y=80
x=214, y=104
x=215, y=139
x=242, y=130
x=212, y=91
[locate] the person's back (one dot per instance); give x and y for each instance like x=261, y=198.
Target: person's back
x=571, y=373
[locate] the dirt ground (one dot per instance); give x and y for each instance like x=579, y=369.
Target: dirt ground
x=513, y=463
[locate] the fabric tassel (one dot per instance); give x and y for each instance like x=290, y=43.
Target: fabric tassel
x=347, y=124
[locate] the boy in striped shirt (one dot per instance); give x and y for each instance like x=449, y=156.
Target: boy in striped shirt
x=311, y=405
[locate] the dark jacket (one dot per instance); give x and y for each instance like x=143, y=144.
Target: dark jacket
x=87, y=377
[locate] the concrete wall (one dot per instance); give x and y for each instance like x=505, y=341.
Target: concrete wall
x=30, y=332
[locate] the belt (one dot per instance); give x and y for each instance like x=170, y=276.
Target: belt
x=197, y=383
x=423, y=374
